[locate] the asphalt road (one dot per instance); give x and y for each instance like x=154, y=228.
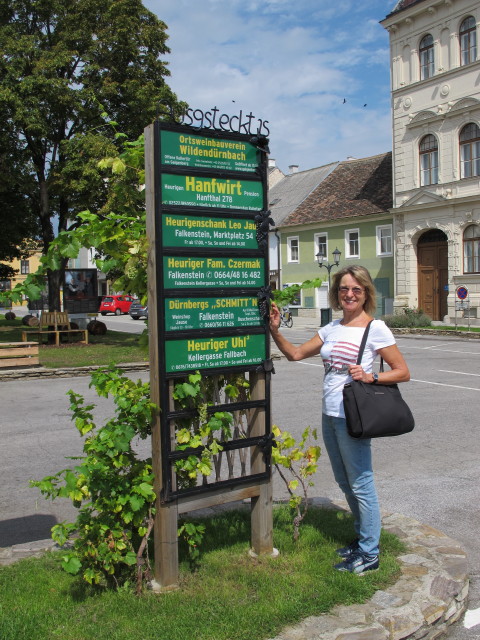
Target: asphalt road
x=431, y=474
x=123, y=323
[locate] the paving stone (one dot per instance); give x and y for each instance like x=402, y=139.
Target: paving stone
x=430, y=531
x=457, y=568
x=383, y=599
x=356, y=614
x=432, y=613
x=414, y=570
x=452, y=551
x=372, y=633
x=402, y=625
x=436, y=634
x=445, y=588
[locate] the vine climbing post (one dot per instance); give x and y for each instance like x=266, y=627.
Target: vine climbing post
x=166, y=514
x=261, y=505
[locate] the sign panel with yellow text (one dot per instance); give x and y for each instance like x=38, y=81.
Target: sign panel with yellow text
x=184, y=272
x=198, y=231
x=221, y=193
x=183, y=314
x=190, y=150
x=209, y=353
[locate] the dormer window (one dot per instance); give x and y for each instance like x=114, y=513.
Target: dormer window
x=428, y=160
x=426, y=57
x=468, y=40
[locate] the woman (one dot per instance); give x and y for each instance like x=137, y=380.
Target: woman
x=353, y=293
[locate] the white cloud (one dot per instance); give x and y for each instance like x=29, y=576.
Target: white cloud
x=291, y=63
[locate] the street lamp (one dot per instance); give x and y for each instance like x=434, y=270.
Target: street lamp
x=336, y=261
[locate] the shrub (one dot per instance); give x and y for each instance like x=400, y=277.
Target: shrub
x=410, y=318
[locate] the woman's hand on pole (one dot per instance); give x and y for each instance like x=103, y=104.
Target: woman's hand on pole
x=274, y=317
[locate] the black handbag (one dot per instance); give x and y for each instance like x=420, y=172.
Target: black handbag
x=375, y=410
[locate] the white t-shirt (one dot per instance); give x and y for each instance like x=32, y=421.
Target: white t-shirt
x=340, y=350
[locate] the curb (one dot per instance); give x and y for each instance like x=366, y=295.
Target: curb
x=474, y=335
x=66, y=372
x=430, y=595
x=9, y=555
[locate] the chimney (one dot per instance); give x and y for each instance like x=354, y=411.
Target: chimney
x=293, y=168
x=271, y=163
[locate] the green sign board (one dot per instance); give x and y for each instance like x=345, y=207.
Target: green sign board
x=189, y=150
x=183, y=314
x=201, y=191
x=183, y=272
x=222, y=233
x=210, y=353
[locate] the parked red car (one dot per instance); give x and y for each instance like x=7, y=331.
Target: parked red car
x=116, y=304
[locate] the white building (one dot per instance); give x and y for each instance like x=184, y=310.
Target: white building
x=435, y=74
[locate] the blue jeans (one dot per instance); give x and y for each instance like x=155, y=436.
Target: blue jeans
x=351, y=461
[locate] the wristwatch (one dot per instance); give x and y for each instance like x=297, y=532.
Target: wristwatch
x=375, y=378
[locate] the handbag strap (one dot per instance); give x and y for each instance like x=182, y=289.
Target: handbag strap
x=363, y=342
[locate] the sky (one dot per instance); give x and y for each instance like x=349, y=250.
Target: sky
x=317, y=70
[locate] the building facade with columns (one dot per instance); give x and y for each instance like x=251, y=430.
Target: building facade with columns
x=435, y=76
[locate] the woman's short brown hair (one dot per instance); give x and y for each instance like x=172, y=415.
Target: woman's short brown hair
x=363, y=277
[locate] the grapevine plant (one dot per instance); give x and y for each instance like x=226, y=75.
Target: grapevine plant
x=110, y=485
x=296, y=463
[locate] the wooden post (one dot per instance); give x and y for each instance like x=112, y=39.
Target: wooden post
x=262, y=505
x=166, y=517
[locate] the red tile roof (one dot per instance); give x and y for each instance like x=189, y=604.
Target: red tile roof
x=355, y=188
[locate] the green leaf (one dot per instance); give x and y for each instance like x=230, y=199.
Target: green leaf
x=130, y=558
x=145, y=489
x=71, y=564
x=118, y=166
x=136, y=502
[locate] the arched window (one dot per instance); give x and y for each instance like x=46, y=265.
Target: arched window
x=468, y=40
x=428, y=160
x=471, y=249
x=470, y=151
x=426, y=57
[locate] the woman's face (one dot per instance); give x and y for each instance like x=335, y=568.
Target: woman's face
x=351, y=294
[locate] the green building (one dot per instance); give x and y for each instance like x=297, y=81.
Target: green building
x=348, y=211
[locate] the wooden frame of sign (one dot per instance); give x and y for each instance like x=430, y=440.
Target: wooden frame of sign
x=167, y=339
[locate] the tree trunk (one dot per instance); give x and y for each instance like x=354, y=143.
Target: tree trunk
x=55, y=282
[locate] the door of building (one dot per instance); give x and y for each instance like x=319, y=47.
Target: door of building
x=433, y=273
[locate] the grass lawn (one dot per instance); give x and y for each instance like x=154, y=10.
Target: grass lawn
x=114, y=347
x=230, y=597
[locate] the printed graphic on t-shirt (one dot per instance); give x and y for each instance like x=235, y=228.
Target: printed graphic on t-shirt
x=343, y=355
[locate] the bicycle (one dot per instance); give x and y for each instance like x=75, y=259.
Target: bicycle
x=286, y=318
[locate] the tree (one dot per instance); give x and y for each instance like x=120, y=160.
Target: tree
x=17, y=220
x=72, y=72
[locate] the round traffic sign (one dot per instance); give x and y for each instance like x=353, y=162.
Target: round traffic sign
x=462, y=293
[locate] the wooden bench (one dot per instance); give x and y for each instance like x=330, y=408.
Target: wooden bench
x=55, y=323
x=18, y=354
